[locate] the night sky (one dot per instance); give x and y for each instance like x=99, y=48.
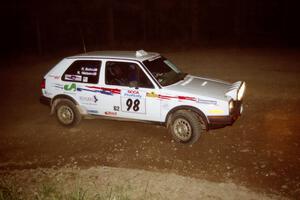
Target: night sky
x=45, y=26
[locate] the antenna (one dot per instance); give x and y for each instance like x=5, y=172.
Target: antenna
x=82, y=38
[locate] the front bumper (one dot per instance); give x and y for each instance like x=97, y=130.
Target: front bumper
x=222, y=121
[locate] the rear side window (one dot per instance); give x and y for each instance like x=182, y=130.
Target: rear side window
x=84, y=71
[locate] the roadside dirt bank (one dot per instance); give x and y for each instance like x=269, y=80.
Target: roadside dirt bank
x=118, y=183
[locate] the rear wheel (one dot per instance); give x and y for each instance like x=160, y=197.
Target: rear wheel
x=186, y=126
x=67, y=114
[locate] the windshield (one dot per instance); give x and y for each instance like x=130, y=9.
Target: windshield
x=165, y=72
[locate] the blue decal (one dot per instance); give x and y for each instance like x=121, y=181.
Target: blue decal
x=96, y=91
x=92, y=111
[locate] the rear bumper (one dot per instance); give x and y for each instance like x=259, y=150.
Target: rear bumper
x=222, y=121
x=45, y=100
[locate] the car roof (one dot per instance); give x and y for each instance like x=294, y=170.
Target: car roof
x=140, y=55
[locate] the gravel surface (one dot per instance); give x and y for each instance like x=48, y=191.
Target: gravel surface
x=260, y=151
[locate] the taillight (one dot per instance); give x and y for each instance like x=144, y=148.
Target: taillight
x=43, y=84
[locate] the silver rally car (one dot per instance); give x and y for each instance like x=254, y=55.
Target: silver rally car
x=140, y=86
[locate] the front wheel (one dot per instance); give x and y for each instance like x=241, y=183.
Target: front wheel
x=186, y=127
x=67, y=113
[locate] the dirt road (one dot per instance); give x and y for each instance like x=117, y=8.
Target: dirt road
x=260, y=151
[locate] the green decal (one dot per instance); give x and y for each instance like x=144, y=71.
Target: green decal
x=70, y=87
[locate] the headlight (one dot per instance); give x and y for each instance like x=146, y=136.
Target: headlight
x=241, y=91
x=230, y=105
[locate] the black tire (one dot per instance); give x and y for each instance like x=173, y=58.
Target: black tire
x=67, y=113
x=186, y=126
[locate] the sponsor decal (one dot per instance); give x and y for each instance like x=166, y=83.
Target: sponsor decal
x=133, y=101
x=152, y=94
x=95, y=99
x=89, y=73
x=110, y=113
x=70, y=87
x=216, y=112
x=89, y=69
x=133, y=105
x=89, y=98
x=133, y=94
x=70, y=77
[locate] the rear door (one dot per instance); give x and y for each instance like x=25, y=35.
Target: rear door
x=79, y=81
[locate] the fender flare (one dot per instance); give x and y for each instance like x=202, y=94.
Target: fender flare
x=54, y=101
x=191, y=108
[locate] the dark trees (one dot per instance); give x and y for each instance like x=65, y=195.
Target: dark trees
x=95, y=24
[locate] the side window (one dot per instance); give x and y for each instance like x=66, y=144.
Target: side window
x=126, y=74
x=144, y=81
x=85, y=71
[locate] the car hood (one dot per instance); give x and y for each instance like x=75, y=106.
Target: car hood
x=200, y=86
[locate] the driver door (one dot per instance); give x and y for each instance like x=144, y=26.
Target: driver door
x=135, y=95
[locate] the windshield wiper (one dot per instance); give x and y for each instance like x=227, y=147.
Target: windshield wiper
x=176, y=77
x=182, y=76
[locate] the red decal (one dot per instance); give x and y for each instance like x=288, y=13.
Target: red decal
x=186, y=98
x=94, y=87
x=112, y=90
x=115, y=91
x=133, y=92
x=166, y=97
x=110, y=113
x=178, y=97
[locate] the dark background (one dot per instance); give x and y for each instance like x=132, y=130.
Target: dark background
x=46, y=26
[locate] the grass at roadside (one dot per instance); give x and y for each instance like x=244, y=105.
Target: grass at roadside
x=11, y=190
